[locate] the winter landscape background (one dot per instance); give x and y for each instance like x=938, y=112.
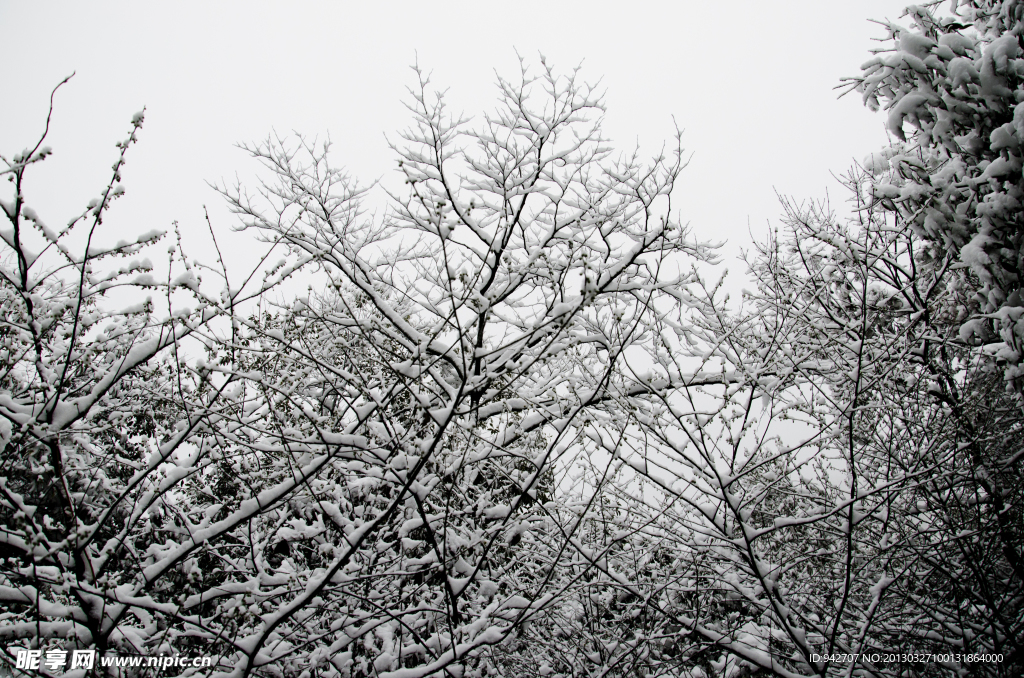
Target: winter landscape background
x=450, y=379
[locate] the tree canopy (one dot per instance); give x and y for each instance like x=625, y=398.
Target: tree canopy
x=512, y=429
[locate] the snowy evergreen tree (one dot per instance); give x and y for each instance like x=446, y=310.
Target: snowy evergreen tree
x=951, y=85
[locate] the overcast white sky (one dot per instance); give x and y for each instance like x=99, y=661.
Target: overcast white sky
x=750, y=82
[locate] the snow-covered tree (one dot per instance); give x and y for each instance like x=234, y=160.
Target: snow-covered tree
x=479, y=330
x=509, y=430
x=851, y=485
x=373, y=479
x=922, y=429
x=855, y=485
x=951, y=84
x=92, y=418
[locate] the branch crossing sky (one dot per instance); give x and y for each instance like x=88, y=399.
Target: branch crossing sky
x=750, y=83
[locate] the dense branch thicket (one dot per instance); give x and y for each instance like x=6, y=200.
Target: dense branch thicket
x=364, y=481
x=511, y=431
x=955, y=80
